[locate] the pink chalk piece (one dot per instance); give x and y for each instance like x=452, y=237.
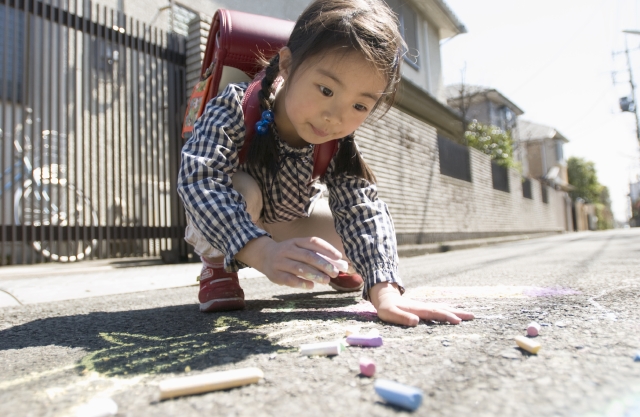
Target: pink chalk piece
x=369, y=340
x=367, y=367
x=533, y=329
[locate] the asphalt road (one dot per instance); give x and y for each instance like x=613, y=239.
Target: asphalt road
x=584, y=288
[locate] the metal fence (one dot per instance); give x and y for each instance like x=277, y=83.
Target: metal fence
x=90, y=112
x=499, y=177
x=454, y=159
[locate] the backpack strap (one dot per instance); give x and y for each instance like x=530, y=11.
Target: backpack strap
x=322, y=154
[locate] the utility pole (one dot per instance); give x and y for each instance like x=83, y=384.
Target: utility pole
x=633, y=89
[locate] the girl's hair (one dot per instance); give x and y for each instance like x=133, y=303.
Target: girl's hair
x=365, y=26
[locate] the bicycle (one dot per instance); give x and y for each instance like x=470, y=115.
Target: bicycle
x=41, y=197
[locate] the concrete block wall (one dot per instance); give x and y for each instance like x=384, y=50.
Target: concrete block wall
x=196, y=46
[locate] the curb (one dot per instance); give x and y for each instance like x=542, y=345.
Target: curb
x=406, y=251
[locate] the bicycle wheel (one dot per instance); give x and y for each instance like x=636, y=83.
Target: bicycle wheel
x=48, y=205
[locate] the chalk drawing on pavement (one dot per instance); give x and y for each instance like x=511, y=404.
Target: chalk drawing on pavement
x=498, y=291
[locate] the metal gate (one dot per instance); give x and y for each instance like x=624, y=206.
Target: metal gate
x=91, y=104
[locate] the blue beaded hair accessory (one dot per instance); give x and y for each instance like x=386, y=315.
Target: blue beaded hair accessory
x=262, y=127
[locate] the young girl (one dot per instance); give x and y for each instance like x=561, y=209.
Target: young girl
x=341, y=64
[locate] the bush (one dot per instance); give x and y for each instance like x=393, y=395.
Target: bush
x=492, y=141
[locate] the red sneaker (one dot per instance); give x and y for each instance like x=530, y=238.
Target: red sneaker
x=347, y=282
x=219, y=290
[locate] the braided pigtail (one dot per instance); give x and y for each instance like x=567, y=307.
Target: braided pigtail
x=349, y=161
x=263, y=152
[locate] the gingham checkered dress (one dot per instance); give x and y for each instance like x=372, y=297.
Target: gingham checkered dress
x=210, y=158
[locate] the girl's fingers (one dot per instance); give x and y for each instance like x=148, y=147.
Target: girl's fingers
x=399, y=316
x=315, y=244
x=314, y=264
x=290, y=280
x=426, y=312
x=308, y=273
x=464, y=315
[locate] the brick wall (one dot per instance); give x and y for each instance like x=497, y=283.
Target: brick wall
x=430, y=207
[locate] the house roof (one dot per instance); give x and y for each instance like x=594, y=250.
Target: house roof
x=476, y=93
x=423, y=105
x=437, y=10
x=529, y=131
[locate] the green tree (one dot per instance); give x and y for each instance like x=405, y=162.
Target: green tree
x=583, y=176
x=491, y=140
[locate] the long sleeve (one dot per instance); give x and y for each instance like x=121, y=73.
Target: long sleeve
x=209, y=159
x=363, y=222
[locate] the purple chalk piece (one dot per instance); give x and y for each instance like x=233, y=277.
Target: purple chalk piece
x=369, y=340
x=637, y=357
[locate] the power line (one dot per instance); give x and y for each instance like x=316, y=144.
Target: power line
x=567, y=43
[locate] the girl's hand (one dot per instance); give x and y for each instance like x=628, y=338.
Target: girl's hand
x=293, y=262
x=394, y=308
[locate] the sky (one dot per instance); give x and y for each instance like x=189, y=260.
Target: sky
x=558, y=61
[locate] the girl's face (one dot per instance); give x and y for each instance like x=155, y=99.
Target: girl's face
x=327, y=98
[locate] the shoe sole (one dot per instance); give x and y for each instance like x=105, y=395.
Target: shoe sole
x=344, y=289
x=222, y=304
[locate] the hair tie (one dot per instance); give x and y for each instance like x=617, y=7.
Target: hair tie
x=262, y=127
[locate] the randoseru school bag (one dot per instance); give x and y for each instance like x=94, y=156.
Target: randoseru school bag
x=238, y=39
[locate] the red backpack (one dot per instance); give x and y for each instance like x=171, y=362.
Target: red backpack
x=238, y=39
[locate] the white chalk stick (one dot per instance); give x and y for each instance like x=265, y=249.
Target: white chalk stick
x=198, y=384
x=340, y=264
x=323, y=348
x=527, y=344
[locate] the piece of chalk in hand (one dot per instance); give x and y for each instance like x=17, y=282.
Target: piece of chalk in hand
x=398, y=394
x=198, y=384
x=529, y=345
x=369, y=340
x=340, y=264
x=367, y=367
x=533, y=329
x=322, y=348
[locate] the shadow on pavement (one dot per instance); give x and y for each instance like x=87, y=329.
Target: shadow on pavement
x=169, y=339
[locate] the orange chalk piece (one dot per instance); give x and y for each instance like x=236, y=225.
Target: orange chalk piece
x=527, y=344
x=197, y=384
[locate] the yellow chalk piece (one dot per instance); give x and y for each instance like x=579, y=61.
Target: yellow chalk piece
x=198, y=384
x=352, y=330
x=527, y=344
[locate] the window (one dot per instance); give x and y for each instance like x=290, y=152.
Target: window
x=545, y=193
x=11, y=53
x=508, y=118
x=454, y=159
x=499, y=177
x=559, y=152
x=408, y=28
x=526, y=188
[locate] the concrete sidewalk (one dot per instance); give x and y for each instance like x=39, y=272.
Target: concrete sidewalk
x=51, y=282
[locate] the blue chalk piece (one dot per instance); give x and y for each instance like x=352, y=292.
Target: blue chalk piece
x=637, y=357
x=398, y=394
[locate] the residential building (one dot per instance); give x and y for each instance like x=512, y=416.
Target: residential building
x=490, y=107
x=634, y=199
x=545, y=155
